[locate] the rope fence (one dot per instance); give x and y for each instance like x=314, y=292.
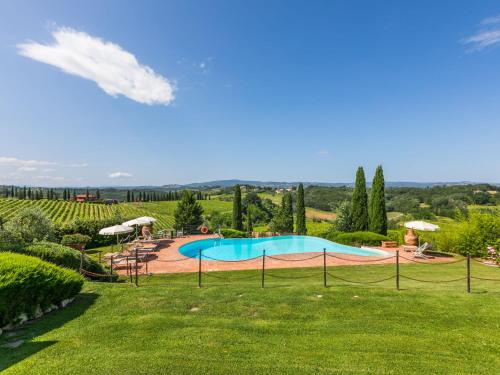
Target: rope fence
x=134, y=262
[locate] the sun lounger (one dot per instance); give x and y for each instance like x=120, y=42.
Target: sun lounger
x=419, y=252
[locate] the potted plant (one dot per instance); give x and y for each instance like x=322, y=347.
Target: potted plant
x=76, y=241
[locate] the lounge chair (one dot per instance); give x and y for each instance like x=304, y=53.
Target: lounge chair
x=419, y=252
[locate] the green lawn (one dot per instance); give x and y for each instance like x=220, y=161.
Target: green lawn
x=167, y=325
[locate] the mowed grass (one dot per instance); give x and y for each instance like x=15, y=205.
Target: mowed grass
x=168, y=325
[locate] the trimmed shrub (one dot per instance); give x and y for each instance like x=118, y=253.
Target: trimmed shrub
x=75, y=239
x=396, y=235
x=63, y=256
x=233, y=233
x=357, y=238
x=27, y=283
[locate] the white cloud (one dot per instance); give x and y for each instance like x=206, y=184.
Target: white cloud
x=27, y=169
x=115, y=70
x=491, y=20
x=485, y=37
x=48, y=178
x=25, y=164
x=15, y=162
x=120, y=175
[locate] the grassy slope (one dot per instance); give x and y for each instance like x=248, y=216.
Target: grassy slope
x=283, y=329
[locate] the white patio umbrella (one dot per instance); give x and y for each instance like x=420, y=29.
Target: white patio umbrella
x=143, y=220
x=116, y=230
x=421, y=225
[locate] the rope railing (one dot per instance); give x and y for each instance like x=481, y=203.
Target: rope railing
x=229, y=260
x=133, y=260
x=484, y=263
x=433, y=281
x=294, y=260
x=212, y=274
x=294, y=277
x=361, y=282
x=360, y=260
x=434, y=264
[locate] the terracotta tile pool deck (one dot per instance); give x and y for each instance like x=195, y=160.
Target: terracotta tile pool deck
x=169, y=260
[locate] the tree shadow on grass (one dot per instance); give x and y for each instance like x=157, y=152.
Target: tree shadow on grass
x=29, y=331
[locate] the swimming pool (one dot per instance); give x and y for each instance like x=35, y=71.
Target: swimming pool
x=246, y=248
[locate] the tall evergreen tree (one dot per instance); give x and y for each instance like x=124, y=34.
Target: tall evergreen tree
x=237, y=211
x=249, y=220
x=377, y=209
x=288, y=209
x=98, y=194
x=301, y=211
x=360, y=203
x=128, y=195
x=188, y=213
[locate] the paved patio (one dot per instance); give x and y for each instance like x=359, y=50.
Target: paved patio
x=169, y=260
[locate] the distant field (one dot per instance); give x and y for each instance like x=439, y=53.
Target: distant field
x=63, y=213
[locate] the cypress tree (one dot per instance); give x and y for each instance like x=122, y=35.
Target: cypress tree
x=360, y=203
x=98, y=194
x=128, y=195
x=301, y=211
x=249, y=220
x=377, y=210
x=237, y=215
x=288, y=209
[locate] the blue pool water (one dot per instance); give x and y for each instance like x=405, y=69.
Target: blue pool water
x=246, y=248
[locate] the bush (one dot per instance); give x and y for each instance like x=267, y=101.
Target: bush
x=233, y=233
x=477, y=233
x=357, y=238
x=396, y=235
x=75, y=239
x=63, y=256
x=27, y=283
x=28, y=225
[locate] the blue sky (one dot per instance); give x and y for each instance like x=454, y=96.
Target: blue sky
x=160, y=92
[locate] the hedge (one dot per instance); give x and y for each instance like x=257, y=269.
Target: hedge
x=233, y=233
x=63, y=256
x=357, y=238
x=28, y=283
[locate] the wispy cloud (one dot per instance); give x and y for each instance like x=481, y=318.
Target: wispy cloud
x=322, y=152
x=112, y=68
x=491, y=20
x=27, y=169
x=48, y=178
x=120, y=175
x=30, y=165
x=487, y=36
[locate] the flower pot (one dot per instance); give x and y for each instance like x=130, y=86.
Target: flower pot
x=411, y=239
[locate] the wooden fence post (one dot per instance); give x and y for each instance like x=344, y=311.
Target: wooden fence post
x=468, y=272
x=397, y=269
x=111, y=269
x=199, y=268
x=136, y=267
x=324, y=267
x=263, y=267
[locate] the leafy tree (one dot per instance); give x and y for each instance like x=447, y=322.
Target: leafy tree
x=188, y=212
x=237, y=211
x=281, y=220
x=360, y=203
x=301, y=211
x=343, y=221
x=28, y=225
x=377, y=211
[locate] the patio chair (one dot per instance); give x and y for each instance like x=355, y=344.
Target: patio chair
x=419, y=252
